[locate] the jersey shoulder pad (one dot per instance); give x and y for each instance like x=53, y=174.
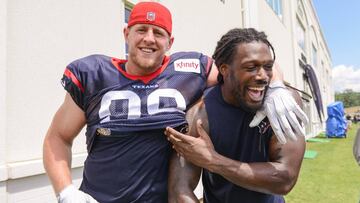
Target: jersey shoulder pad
x=79, y=73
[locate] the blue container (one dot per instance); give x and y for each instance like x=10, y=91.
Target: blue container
x=336, y=124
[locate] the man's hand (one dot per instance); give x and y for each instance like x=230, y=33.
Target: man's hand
x=281, y=110
x=198, y=150
x=72, y=195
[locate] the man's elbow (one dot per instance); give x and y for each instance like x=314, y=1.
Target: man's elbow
x=285, y=189
x=184, y=197
x=181, y=194
x=285, y=184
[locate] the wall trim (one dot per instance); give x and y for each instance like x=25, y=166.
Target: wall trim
x=3, y=172
x=24, y=169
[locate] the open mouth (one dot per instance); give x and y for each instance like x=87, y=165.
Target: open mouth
x=256, y=93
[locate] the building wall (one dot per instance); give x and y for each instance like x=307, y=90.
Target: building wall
x=279, y=32
x=39, y=38
x=3, y=171
x=40, y=43
x=314, y=38
x=198, y=27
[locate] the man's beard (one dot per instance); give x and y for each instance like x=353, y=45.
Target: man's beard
x=240, y=97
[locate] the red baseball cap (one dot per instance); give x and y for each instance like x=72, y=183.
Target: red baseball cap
x=151, y=13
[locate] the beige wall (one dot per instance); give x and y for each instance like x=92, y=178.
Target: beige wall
x=3, y=194
x=3, y=171
x=198, y=27
x=280, y=35
x=41, y=42
x=38, y=39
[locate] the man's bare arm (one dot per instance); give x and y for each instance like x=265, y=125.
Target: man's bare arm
x=278, y=176
x=183, y=179
x=183, y=175
x=66, y=124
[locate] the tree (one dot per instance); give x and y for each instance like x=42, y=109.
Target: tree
x=348, y=97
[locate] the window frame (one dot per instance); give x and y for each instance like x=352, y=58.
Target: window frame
x=127, y=9
x=299, y=25
x=277, y=7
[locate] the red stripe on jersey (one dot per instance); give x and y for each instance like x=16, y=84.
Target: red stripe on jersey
x=73, y=78
x=145, y=78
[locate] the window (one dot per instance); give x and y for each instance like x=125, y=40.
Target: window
x=301, y=24
x=314, y=56
x=127, y=11
x=276, y=6
x=127, y=14
x=300, y=10
x=300, y=34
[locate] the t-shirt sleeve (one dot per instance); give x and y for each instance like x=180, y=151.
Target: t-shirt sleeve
x=72, y=82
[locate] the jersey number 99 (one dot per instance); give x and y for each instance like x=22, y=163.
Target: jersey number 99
x=134, y=103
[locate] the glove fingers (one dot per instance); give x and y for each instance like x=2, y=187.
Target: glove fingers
x=279, y=106
x=282, y=110
x=275, y=125
x=299, y=130
x=301, y=115
x=259, y=116
x=287, y=128
x=290, y=124
x=293, y=108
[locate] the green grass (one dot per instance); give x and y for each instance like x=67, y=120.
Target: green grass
x=333, y=176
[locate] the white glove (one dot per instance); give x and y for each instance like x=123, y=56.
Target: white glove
x=72, y=195
x=281, y=109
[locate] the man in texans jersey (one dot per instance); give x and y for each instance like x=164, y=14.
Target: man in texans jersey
x=126, y=105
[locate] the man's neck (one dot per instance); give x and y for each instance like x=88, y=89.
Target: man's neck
x=135, y=70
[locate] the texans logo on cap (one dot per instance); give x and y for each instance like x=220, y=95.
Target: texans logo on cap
x=152, y=13
x=150, y=16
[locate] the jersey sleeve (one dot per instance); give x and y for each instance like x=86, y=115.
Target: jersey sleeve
x=73, y=82
x=208, y=63
x=183, y=62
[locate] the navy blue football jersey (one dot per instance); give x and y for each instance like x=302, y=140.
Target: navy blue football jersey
x=128, y=162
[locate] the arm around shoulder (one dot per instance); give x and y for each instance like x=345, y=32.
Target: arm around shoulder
x=277, y=176
x=287, y=159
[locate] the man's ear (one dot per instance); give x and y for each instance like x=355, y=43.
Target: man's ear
x=126, y=33
x=171, y=41
x=224, y=69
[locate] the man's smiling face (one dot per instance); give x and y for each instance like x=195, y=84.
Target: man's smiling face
x=246, y=79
